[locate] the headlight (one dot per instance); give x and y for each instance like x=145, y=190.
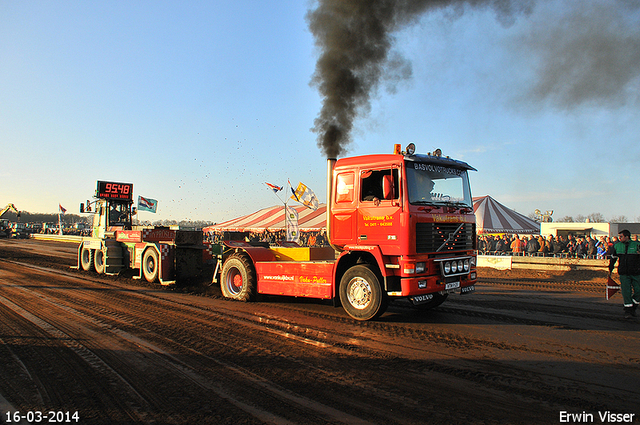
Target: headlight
x=447, y=267
x=466, y=265
x=473, y=261
x=460, y=265
x=420, y=267
x=454, y=267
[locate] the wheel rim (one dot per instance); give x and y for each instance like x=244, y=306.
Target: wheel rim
x=360, y=293
x=150, y=265
x=86, y=256
x=234, y=281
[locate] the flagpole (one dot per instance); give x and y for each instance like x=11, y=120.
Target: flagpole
x=275, y=192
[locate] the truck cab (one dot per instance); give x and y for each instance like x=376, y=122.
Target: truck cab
x=414, y=214
x=401, y=225
x=110, y=216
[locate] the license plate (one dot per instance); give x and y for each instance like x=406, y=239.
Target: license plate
x=452, y=285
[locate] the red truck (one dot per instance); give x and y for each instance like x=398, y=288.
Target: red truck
x=400, y=226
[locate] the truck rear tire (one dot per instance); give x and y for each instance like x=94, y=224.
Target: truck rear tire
x=150, y=265
x=98, y=260
x=238, y=278
x=361, y=293
x=86, y=259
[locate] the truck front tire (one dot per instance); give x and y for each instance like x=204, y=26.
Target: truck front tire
x=361, y=293
x=150, y=265
x=238, y=278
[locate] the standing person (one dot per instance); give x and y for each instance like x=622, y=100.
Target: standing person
x=551, y=245
x=516, y=245
x=532, y=246
x=601, y=247
x=627, y=253
x=591, y=247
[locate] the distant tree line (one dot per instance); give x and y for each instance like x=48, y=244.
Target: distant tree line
x=71, y=219
x=27, y=217
x=592, y=218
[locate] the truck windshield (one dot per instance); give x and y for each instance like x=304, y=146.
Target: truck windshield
x=431, y=184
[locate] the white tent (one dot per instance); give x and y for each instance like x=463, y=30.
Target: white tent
x=272, y=219
x=493, y=217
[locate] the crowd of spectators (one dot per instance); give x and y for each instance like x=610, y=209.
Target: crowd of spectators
x=549, y=246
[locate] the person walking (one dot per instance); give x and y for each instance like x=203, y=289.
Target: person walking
x=627, y=253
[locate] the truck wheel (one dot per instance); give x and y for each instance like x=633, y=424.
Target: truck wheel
x=361, y=294
x=432, y=303
x=150, y=265
x=86, y=259
x=98, y=260
x=238, y=280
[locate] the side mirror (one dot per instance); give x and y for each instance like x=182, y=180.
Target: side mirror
x=81, y=207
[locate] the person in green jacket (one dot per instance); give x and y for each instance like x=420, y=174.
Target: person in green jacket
x=627, y=253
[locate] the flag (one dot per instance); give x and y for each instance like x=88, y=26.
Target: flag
x=147, y=204
x=273, y=187
x=305, y=196
x=612, y=288
x=61, y=209
x=291, y=218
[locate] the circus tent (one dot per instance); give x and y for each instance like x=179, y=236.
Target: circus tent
x=272, y=219
x=493, y=217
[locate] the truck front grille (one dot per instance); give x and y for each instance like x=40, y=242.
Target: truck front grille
x=440, y=237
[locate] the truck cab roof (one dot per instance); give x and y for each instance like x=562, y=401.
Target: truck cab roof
x=372, y=160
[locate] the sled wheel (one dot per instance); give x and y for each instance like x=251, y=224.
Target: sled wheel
x=238, y=278
x=98, y=260
x=86, y=259
x=150, y=265
x=361, y=294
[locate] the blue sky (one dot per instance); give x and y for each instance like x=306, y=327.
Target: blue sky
x=198, y=104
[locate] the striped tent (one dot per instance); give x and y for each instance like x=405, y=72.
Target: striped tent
x=493, y=217
x=272, y=219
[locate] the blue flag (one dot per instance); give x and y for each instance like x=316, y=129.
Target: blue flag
x=147, y=204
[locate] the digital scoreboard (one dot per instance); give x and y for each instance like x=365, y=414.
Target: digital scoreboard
x=113, y=190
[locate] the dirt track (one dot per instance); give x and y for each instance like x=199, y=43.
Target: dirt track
x=524, y=348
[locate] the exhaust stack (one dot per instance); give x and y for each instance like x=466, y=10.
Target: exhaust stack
x=331, y=162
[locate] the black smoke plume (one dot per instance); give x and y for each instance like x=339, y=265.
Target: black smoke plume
x=355, y=38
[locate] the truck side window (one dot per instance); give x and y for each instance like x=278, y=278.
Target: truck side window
x=373, y=185
x=344, y=188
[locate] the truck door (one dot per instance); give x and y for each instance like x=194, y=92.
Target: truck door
x=100, y=221
x=343, y=217
x=378, y=220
